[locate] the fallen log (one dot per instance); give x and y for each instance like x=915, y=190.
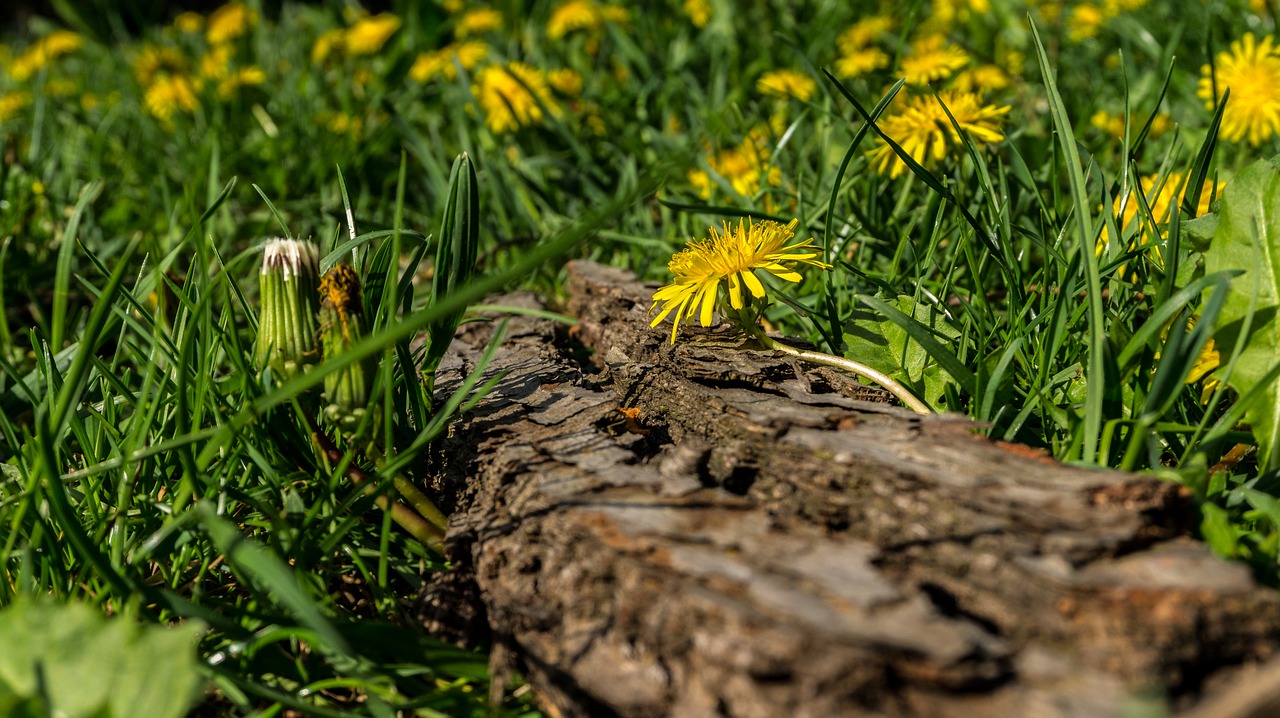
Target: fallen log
x=708, y=529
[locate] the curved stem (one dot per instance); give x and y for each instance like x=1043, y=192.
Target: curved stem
x=893, y=387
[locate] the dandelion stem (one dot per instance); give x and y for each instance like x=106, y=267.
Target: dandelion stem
x=893, y=387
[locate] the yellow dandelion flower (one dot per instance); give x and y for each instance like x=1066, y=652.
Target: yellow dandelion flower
x=698, y=12
x=932, y=58
x=43, y=51
x=216, y=63
x=153, y=61
x=439, y=63
x=1252, y=71
x=860, y=62
x=513, y=96
x=1085, y=22
x=1115, y=7
x=863, y=32
x=918, y=127
x=571, y=16
x=731, y=256
x=325, y=45
x=170, y=94
x=1208, y=361
x=340, y=123
x=189, y=22
x=243, y=77
x=1113, y=125
x=787, y=83
x=1160, y=193
x=746, y=167
x=90, y=101
x=478, y=22
x=12, y=104
x=983, y=78
x=229, y=22
x=566, y=81
x=453, y=6
x=369, y=34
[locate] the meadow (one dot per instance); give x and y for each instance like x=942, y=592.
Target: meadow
x=1057, y=218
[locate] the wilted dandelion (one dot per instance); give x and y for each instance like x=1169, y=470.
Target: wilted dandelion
x=787, y=83
x=924, y=132
x=477, y=22
x=731, y=256
x=287, y=287
x=369, y=34
x=1251, y=70
x=932, y=58
x=513, y=96
x=229, y=22
x=439, y=63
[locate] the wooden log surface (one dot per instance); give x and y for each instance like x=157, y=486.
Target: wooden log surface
x=709, y=529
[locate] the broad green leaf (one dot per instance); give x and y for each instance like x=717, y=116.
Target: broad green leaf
x=1247, y=239
x=885, y=345
x=88, y=665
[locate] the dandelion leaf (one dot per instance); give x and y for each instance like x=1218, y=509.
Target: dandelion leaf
x=1247, y=239
x=882, y=344
x=90, y=666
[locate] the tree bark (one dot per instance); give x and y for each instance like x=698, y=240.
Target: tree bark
x=708, y=529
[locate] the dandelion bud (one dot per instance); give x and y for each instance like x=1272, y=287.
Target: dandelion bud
x=346, y=391
x=288, y=296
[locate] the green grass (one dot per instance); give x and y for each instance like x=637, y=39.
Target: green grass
x=150, y=469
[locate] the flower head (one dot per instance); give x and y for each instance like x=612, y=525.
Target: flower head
x=153, y=61
x=369, y=34
x=862, y=32
x=439, y=63
x=346, y=391
x=787, y=83
x=923, y=129
x=513, y=96
x=189, y=22
x=251, y=76
x=12, y=103
x=229, y=22
x=1251, y=69
x=932, y=58
x=732, y=256
x=698, y=11
x=43, y=51
x=170, y=94
x=861, y=61
x=478, y=22
x=288, y=297
x=744, y=166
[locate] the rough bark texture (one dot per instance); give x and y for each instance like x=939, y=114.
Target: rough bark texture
x=754, y=537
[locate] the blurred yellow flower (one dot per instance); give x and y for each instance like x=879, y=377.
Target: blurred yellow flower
x=12, y=103
x=787, y=83
x=1115, y=7
x=1160, y=193
x=863, y=32
x=477, y=22
x=43, y=51
x=1113, y=125
x=369, y=34
x=862, y=61
x=588, y=15
x=439, y=63
x=324, y=46
x=917, y=127
x=189, y=22
x=216, y=63
x=1252, y=71
x=244, y=77
x=170, y=94
x=744, y=167
x=932, y=58
x=153, y=60
x=229, y=22
x=1085, y=21
x=698, y=11
x=340, y=123
x=513, y=96
x=90, y=101
x=59, y=87
x=981, y=79
x=565, y=81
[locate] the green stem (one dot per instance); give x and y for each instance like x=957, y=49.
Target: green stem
x=893, y=387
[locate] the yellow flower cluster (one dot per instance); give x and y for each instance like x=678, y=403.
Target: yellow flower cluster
x=366, y=35
x=439, y=64
x=1161, y=193
x=744, y=167
x=858, y=56
x=1114, y=126
x=1087, y=18
x=13, y=103
x=698, y=11
x=42, y=52
x=477, y=22
x=787, y=83
x=230, y=22
x=1251, y=70
x=918, y=128
x=932, y=59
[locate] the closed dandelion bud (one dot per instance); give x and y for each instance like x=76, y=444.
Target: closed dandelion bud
x=346, y=391
x=288, y=296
